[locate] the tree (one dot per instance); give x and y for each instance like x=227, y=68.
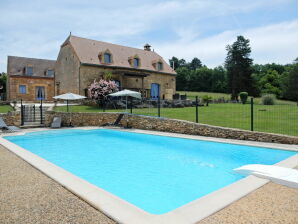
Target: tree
x=3, y=78
x=238, y=65
x=270, y=83
x=182, y=78
x=291, y=91
x=174, y=63
x=195, y=63
x=177, y=62
x=218, y=80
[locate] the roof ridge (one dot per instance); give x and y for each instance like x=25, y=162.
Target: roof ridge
x=113, y=44
x=31, y=58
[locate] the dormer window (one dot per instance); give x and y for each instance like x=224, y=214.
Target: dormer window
x=136, y=62
x=50, y=73
x=107, y=58
x=28, y=70
x=159, y=66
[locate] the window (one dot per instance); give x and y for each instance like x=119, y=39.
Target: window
x=107, y=58
x=29, y=70
x=136, y=62
x=50, y=73
x=22, y=89
x=159, y=66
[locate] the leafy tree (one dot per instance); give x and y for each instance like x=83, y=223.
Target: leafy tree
x=218, y=80
x=174, y=62
x=270, y=83
x=3, y=78
x=291, y=87
x=182, y=78
x=238, y=65
x=200, y=79
x=195, y=63
x=177, y=62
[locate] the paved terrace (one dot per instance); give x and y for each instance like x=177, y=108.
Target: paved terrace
x=28, y=196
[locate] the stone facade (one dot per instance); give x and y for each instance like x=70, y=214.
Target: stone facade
x=30, y=79
x=79, y=64
x=31, y=84
x=67, y=71
x=166, y=82
x=167, y=125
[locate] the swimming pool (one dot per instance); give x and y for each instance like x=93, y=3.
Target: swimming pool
x=156, y=173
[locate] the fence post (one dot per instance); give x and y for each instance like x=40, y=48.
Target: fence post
x=22, y=113
x=41, y=121
x=158, y=106
x=252, y=114
x=197, y=111
x=103, y=105
x=34, y=112
x=131, y=105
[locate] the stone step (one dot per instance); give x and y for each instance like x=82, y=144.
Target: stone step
x=32, y=124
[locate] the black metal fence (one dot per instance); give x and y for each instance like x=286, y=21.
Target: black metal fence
x=32, y=114
x=281, y=118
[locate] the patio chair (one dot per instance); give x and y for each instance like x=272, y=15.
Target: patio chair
x=56, y=122
x=5, y=128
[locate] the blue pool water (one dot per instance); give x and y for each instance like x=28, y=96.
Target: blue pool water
x=155, y=173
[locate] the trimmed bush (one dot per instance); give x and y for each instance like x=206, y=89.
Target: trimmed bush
x=268, y=99
x=207, y=99
x=243, y=97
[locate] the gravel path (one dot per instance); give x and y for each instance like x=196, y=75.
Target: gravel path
x=29, y=196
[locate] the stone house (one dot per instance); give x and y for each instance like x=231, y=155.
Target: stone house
x=81, y=60
x=30, y=79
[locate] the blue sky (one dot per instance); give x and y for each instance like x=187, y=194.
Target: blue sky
x=185, y=29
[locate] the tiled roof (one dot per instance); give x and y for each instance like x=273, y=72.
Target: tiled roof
x=88, y=52
x=16, y=65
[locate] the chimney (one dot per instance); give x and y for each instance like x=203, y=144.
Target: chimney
x=147, y=47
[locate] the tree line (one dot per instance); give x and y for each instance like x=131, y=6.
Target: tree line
x=239, y=74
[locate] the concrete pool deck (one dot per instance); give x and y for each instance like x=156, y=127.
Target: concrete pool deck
x=260, y=206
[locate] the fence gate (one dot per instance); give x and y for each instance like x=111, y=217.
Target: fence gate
x=32, y=115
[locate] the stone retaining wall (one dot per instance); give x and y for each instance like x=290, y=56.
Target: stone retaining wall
x=167, y=125
x=12, y=118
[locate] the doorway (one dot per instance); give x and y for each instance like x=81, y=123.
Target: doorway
x=154, y=91
x=40, y=92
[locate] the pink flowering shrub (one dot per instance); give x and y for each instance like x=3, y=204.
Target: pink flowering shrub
x=102, y=88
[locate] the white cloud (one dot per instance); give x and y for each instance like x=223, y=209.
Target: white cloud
x=273, y=43
x=31, y=29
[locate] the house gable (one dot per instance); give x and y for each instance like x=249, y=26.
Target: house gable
x=90, y=52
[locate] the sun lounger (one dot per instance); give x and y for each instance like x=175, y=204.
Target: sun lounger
x=119, y=118
x=5, y=128
x=56, y=122
x=117, y=121
x=279, y=175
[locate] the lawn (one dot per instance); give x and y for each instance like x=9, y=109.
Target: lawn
x=282, y=119
x=5, y=108
x=226, y=96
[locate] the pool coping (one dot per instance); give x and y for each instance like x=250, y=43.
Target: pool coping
x=124, y=212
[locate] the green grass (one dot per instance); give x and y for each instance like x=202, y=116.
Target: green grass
x=282, y=119
x=226, y=96
x=5, y=108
